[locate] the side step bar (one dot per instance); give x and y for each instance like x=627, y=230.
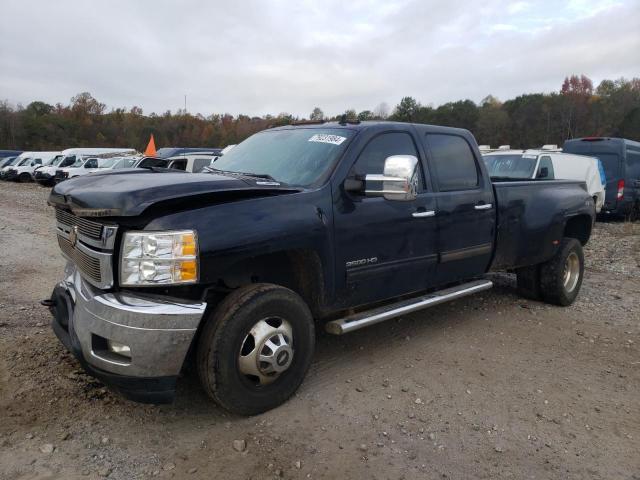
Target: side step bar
x=380, y=314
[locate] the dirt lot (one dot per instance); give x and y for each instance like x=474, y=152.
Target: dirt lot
x=489, y=387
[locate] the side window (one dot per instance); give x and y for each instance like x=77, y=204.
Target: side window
x=633, y=164
x=179, y=164
x=200, y=163
x=545, y=162
x=371, y=159
x=453, y=161
x=37, y=161
x=68, y=161
x=91, y=163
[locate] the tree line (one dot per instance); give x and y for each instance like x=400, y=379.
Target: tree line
x=529, y=120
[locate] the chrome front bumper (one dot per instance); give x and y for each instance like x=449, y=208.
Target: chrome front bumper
x=158, y=330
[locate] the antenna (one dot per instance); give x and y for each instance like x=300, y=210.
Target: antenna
x=185, y=103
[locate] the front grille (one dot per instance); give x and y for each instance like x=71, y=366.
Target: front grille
x=85, y=227
x=60, y=175
x=86, y=264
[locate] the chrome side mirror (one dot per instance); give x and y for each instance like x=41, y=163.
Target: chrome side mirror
x=398, y=182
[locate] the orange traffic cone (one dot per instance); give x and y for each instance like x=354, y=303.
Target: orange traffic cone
x=151, y=148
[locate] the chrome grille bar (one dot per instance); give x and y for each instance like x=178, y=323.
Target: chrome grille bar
x=85, y=227
x=87, y=264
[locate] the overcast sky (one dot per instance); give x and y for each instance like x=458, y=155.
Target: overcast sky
x=259, y=57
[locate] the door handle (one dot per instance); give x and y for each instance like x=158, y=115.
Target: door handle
x=484, y=206
x=428, y=213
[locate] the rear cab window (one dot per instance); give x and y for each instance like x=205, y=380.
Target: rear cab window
x=545, y=162
x=453, y=161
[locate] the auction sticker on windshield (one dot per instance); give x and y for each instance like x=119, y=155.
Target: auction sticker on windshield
x=326, y=138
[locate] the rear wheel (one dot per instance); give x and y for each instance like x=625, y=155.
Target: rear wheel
x=256, y=348
x=561, y=277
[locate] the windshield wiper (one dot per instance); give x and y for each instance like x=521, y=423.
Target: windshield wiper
x=163, y=169
x=263, y=176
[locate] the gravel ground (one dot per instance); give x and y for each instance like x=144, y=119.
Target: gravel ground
x=492, y=386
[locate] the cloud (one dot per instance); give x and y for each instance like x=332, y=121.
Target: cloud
x=502, y=27
x=260, y=57
x=517, y=7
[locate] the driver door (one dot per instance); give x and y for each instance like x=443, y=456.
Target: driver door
x=383, y=248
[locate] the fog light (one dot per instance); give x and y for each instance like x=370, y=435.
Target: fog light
x=119, y=348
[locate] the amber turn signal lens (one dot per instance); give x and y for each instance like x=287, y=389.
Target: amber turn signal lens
x=187, y=270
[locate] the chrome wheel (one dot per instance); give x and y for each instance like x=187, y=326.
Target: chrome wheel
x=571, y=273
x=266, y=351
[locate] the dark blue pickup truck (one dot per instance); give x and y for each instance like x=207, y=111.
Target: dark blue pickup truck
x=337, y=224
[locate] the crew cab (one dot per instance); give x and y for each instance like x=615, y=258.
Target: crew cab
x=332, y=225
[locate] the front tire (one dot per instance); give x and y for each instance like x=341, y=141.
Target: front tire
x=24, y=178
x=256, y=348
x=561, y=277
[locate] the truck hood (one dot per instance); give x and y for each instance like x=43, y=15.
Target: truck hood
x=129, y=192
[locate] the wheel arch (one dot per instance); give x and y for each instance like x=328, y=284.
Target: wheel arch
x=579, y=227
x=299, y=270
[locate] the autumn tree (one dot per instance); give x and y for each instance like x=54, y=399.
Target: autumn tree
x=317, y=114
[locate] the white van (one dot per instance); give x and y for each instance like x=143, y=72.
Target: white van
x=24, y=157
x=549, y=165
x=46, y=175
x=26, y=162
x=24, y=172
x=86, y=165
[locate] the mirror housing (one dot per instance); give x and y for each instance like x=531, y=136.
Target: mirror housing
x=398, y=182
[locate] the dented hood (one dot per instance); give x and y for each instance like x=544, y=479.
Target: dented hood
x=130, y=192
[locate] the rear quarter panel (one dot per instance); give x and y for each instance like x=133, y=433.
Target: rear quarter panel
x=531, y=219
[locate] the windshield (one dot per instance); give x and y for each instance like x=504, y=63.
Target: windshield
x=77, y=163
x=125, y=163
x=517, y=166
x=55, y=160
x=24, y=161
x=150, y=162
x=107, y=162
x=298, y=156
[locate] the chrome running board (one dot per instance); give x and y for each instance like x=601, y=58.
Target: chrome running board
x=380, y=314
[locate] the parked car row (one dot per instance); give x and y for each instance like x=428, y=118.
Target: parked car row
x=610, y=167
x=49, y=168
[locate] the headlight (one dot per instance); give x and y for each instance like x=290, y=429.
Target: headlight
x=159, y=258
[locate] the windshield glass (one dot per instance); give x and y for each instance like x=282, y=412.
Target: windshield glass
x=77, y=163
x=125, y=163
x=517, y=166
x=107, y=162
x=24, y=161
x=297, y=157
x=55, y=160
x=150, y=162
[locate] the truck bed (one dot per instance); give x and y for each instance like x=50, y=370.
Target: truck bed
x=532, y=217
